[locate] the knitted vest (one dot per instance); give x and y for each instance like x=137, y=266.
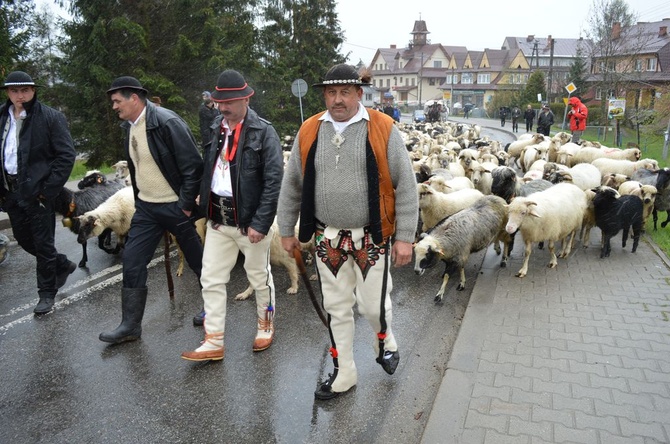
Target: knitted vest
x=382, y=203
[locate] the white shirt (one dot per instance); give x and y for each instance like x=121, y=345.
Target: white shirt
x=12, y=142
x=340, y=126
x=221, y=182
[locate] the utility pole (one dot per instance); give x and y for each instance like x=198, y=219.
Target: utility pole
x=451, y=102
x=420, y=80
x=551, y=65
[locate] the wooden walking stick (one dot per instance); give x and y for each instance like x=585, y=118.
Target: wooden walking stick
x=297, y=254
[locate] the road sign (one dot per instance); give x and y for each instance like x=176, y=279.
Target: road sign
x=299, y=88
x=570, y=88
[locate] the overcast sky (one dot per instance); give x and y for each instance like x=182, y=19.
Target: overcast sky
x=475, y=24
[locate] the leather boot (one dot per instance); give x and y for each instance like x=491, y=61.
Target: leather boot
x=133, y=301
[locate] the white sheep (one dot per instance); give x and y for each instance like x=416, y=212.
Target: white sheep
x=613, y=180
x=482, y=178
x=530, y=154
x=122, y=171
x=626, y=167
x=584, y=175
x=550, y=215
x=566, y=153
x=514, y=149
x=589, y=154
x=446, y=186
x=435, y=206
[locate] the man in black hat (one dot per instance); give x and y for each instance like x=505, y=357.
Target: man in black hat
x=165, y=168
x=239, y=192
x=37, y=155
x=351, y=183
x=207, y=112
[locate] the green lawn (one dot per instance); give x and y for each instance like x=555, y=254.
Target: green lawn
x=80, y=170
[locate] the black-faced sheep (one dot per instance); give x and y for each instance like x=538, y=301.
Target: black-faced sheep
x=71, y=204
x=550, y=215
x=661, y=180
x=453, y=239
x=615, y=213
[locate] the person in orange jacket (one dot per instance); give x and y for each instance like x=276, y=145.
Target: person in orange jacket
x=578, y=115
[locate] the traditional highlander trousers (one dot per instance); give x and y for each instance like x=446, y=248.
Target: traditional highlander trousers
x=239, y=192
x=347, y=198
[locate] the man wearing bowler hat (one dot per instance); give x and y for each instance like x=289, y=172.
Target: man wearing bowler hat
x=165, y=169
x=239, y=192
x=37, y=156
x=351, y=182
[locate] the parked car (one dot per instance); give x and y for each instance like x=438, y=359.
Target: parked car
x=419, y=116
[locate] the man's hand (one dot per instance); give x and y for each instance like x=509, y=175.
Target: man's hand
x=290, y=243
x=401, y=253
x=187, y=213
x=254, y=236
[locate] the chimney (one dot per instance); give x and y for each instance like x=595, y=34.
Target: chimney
x=616, y=30
x=530, y=38
x=393, y=47
x=662, y=31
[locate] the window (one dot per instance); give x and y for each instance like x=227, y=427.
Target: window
x=599, y=94
x=413, y=79
x=431, y=81
x=388, y=83
x=484, y=78
x=437, y=63
x=638, y=65
x=466, y=77
x=601, y=66
x=651, y=64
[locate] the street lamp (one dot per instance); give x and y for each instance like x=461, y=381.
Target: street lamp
x=420, y=79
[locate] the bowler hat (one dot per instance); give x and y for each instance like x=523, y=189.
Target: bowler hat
x=231, y=86
x=126, y=82
x=18, y=78
x=342, y=74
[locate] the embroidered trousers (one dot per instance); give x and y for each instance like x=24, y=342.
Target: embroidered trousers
x=353, y=270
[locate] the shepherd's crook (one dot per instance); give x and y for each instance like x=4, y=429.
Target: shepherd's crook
x=297, y=254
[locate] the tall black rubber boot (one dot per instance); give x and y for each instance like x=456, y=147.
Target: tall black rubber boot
x=133, y=301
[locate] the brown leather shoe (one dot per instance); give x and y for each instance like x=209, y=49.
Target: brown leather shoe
x=264, y=335
x=215, y=354
x=207, y=355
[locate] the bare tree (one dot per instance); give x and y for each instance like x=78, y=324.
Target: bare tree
x=615, y=48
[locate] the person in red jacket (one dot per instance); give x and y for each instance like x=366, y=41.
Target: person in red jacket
x=578, y=115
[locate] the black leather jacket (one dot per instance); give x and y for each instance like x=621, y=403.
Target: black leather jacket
x=45, y=153
x=256, y=173
x=174, y=150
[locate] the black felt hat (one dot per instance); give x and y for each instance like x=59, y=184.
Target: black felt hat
x=231, y=86
x=126, y=82
x=342, y=74
x=18, y=78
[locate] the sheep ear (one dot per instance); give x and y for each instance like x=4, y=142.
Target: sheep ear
x=534, y=213
x=96, y=223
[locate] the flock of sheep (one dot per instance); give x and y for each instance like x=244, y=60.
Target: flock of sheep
x=473, y=192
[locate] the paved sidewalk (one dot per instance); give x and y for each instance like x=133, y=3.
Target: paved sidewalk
x=577, y=354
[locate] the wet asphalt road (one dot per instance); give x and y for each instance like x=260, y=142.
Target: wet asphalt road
x=60, y=384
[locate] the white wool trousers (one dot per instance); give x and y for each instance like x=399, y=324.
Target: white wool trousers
x=222, y=245
x=353, y=270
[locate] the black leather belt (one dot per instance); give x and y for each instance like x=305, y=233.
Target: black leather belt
x=223, y=210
